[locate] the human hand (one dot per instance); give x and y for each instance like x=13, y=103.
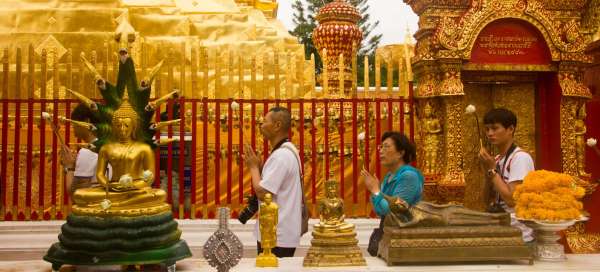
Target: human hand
x=371, y=182
x=67, y=157
x=251, y=160
x=486, y=159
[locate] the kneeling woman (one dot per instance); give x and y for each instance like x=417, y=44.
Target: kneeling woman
x=401, y=181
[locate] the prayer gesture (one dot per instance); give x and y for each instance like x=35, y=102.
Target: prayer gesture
x=486, y=159
x=371, y=182
x=250, y=158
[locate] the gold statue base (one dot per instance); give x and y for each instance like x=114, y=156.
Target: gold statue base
x=269, y=260
x=334, y=249
x=453, y=244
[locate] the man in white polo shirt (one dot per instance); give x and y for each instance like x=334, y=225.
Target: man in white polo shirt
x=509, y=168
x=280, y=176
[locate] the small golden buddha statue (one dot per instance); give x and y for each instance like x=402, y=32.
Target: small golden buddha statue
x=580, y=131
x=267, y=220
x=431, y=139
x=129, y=190
x=331, y=211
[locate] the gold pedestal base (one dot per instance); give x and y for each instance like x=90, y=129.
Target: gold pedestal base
x=452, y=244
x=267, y=260
x=334, y=249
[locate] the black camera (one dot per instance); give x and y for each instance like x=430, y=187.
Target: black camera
x=495, y=207
x=250, y=209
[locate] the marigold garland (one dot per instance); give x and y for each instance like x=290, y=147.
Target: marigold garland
x=549, y=196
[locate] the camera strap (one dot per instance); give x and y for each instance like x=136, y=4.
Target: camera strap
x=504, y=166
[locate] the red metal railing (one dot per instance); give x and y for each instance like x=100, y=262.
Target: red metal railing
x=199, y=173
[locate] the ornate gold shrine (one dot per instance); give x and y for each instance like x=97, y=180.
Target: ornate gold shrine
x=464, y=56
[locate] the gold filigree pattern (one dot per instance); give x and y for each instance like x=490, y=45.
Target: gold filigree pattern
x=581, y=242
x=568, y=111
x=451, y=85
x=456, y=242
x=453, y=182
x=571, y=86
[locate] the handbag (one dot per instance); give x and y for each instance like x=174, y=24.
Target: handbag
x=375, y=238
x=305, y=216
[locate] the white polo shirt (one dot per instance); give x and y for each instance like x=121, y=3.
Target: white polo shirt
x=281, y=176
x=518, y=165
x=85, y=165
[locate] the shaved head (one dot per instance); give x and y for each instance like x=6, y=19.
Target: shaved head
x=283, y=115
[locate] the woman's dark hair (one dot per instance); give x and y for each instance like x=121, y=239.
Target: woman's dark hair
x=401, y=142
x=501, y=116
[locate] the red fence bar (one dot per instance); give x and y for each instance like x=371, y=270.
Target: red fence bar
x=16, y=161
x=326, y=141
x=265, y=143
x=193, y=154
x=3, y=160
x=205, y=153
x=411, y=117
x=313, y=146
x=170, y=157
x=367, y=153
x=229, y=149
x=217, y=153
x=54, y=185
x=377, y=136
x=301, y=139
x=182, y=158
x=355, y=153
x=390, y=115
x=156, y=151
x=67, y=140
x=240, y=155
x=342, y=149
x=252, y=132
x=401, y=116
x=42, y=159
x=30, y=213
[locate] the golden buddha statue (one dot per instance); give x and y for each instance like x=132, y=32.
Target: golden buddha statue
x=132, y=162
x=331, y=211
x=125, y=221
x=580, y=131
x=431, y=139
x=122, y=145
x=268, y=219
x=334, y=241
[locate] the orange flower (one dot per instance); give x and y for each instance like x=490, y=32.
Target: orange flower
x=547, y=195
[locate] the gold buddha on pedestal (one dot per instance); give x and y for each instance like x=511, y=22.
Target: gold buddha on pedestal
x=334, y=241
x=124, y=221
x=132, y=161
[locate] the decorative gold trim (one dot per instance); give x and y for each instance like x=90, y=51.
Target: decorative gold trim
x=510, y=67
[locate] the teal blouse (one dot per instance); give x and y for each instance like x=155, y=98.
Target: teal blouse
x=406, y=183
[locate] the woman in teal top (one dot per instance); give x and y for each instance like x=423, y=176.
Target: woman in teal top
x=402, y=180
